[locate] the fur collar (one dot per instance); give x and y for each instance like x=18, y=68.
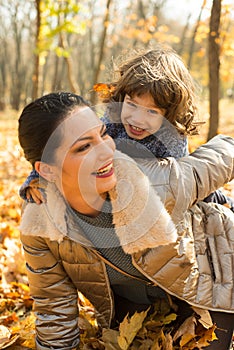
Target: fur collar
x=140, y=218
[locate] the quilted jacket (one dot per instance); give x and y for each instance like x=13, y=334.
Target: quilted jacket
x=178, y=242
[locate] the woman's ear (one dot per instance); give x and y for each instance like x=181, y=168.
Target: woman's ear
x=45, y=170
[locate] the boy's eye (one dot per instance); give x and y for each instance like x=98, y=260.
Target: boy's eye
x=131, y=104
x=153, y=111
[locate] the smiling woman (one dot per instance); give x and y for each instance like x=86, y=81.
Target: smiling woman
x=104, y=230
x=82, y=166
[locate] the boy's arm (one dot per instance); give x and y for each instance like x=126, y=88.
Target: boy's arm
x=30, y=190
x=202, y=172
x=194, y=177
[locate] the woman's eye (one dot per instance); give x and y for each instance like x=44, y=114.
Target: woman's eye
x=105, y=133
x=83, y=148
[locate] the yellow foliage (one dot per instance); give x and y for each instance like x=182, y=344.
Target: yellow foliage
x=129, y=328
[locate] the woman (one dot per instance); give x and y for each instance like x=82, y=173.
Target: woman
x=105, y=232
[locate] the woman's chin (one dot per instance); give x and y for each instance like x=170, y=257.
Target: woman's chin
x=106, y=184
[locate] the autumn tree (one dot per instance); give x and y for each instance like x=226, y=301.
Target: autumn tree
x=36, y=70
x=214, y=66
x=193, y=38
x=102, y=40
x=79, y=41
x=15, y=70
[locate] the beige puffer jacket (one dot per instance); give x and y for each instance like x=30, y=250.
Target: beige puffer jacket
x=188, y=253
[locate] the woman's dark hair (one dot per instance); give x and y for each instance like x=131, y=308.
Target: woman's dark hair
x=40, y=118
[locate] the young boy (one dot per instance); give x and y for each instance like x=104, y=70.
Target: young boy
x=152, y=108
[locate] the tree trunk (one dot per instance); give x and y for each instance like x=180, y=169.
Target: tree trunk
x=183, y=36
x=54, y=85
x=101, y=49
x=214, y=65
x=191, y=50
x=70, y=75
x=74, y=87
x=36, y=71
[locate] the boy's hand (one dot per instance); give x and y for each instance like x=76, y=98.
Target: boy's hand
x=33, y=192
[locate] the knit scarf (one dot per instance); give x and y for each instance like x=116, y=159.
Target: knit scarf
x=166, y=142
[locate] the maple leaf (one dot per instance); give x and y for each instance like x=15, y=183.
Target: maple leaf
x=203, y=341
x=205, y=318
x=186, y=331
x=6, y=338
x=129, y=327
x=104, y=90
x=25, y=330
x=110, y=339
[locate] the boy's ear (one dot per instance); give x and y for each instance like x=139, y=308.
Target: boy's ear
x=45, y=170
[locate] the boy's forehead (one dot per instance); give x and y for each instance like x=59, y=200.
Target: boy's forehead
x=146, y=97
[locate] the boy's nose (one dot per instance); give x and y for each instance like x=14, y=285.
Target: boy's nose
x=138, y=117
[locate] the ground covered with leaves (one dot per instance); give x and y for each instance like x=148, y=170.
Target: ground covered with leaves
x=157, y=330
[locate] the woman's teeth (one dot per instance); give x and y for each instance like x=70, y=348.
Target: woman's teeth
x=105, y=170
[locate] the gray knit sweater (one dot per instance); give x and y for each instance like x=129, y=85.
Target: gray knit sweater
x=101, y=233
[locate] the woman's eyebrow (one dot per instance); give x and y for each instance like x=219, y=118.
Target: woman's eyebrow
x=88, y=137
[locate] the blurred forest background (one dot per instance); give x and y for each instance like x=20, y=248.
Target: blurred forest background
x=52, y=45
x=48, y=45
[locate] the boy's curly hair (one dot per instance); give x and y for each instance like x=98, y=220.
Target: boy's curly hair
x=162, y=73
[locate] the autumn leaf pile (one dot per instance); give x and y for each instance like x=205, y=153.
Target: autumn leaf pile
x=157, y=330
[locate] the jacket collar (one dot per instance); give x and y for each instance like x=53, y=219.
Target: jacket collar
x=140, y=218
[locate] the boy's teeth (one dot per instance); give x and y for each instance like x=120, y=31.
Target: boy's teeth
x=136, y=128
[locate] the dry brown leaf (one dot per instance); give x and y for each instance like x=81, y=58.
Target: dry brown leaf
x=205, y=318
x=167, y=341
x=129, y=328
x=5, y=334
x=205, y=339
x=10, y=342
x=187, y=328
x=6, y=338
x=110, y=339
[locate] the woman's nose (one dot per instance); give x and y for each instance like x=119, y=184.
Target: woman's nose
x=106, y=149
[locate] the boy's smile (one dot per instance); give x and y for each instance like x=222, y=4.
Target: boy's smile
x=134, y=130
x=140, y=116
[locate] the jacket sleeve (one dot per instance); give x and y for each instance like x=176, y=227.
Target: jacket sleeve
x=182, y=182
x=194, y=177
x=55, y=297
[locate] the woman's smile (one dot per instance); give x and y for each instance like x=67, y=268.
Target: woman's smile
x=105, y=171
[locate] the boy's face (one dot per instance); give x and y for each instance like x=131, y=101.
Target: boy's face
x=140, y=116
